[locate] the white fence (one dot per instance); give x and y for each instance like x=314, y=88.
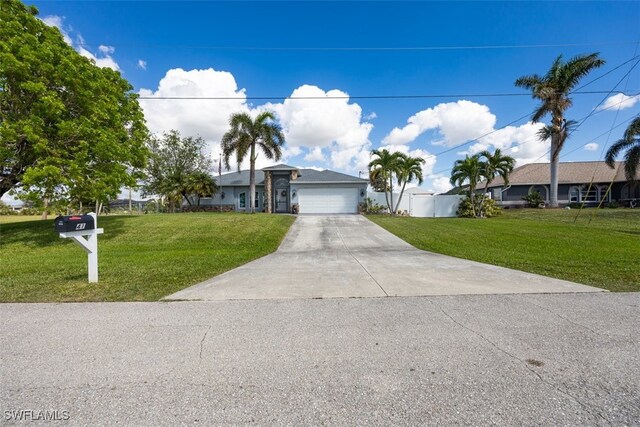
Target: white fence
x=422, y=205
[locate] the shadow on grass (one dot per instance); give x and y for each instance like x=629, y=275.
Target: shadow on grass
x=37, y=234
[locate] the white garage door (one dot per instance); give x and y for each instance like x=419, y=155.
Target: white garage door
x=328, y=200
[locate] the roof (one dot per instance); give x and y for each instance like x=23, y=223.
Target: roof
x=280, y=167
x=568, y=173
x=312, y=176
x=305, y=176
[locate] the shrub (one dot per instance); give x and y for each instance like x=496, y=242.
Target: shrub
x=371, y=207
x=489, y=208
x=5, y=209
x=534, y=199
x=613, y=204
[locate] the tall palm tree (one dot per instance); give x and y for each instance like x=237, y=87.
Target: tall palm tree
x=384, y=166
x=409, y=169
x=553, y=90
x=243, y=137
x=468, y=170
x=630, y=142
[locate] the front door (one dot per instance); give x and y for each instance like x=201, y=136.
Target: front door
x=282, y=200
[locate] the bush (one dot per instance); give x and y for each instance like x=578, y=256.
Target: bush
x=5, y=209
x=534, y=199
x=613, y=204
x=371, y=207
x=489, y=208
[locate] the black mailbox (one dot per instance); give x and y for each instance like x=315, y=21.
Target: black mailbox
x=65, y=224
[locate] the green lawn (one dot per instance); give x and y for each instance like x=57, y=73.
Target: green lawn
x=141, y=258
x=603, y=253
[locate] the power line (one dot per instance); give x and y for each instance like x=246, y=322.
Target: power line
x=265, y=98
x=366, y=49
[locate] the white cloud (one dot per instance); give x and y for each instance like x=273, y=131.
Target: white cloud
x=440, y=183
x=315, y=155
x=371, y=116
x=455, y=123
x=106, y=50
x=429, y=159
x=142, y=64
x=619, y=101
x=592, y=146
x=333, y=124
x=103, y=59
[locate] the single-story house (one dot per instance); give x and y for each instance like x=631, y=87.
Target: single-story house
x=287, y=189
x=574, y=179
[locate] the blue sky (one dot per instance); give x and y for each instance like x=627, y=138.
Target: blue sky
x=229, y=49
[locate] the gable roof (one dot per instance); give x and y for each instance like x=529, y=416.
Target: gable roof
x=305, y=176
x=280, y=167
x=568, y=173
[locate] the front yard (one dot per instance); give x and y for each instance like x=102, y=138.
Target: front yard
x=604, y=253
x=141, y=258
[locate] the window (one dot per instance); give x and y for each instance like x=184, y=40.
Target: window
x=257, y=202
x=602, y=193
x=589, y=194
x=242, y=198
x=574, y=195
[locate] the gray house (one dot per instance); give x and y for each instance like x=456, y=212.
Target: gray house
x=286, y=189
x=574, y=179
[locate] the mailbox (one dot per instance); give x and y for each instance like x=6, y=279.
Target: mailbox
x=65, y=224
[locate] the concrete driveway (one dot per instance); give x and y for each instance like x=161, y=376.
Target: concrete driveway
x=349, y=256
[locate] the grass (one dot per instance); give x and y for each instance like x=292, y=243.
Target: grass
x=604, y=252
x=141, y=258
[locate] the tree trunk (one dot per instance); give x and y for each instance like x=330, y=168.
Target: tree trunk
x=46, y=206
x=553, y=166
x=404, y=184
x=391, y=193
x=129, y=200
x=252, y=178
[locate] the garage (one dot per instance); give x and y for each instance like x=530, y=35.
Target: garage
x=328, y=200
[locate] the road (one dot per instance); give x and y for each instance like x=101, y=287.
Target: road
x=528, y=359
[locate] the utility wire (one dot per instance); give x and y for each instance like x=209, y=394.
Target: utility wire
x=364, y=49
x=426, y=96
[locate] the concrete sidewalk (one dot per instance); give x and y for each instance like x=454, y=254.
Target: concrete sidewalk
x=349, y=256
x=511, y=360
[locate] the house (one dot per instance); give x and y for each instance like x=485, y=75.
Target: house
x=574, y=179
x=287, y=189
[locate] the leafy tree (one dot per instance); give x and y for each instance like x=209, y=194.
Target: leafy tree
x=409, y=169
x=494, y=165
x=383, y=166
x=553, y=90
x=245, y=136
x=176, y=167
x=69, y=130
x=631, y=143
x=468, y=170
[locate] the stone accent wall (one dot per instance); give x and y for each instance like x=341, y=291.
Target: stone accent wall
x=267, y=191
x=294, y=175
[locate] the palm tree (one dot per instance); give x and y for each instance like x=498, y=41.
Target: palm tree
x=467, y=170
x=553, y=90
x=494, y=165
x=384, y=166
x=243, y=137
x=201, y=184
x=630, y=142
x=409, y=169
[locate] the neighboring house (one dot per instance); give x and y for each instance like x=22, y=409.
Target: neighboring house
x=574, y=179
x=286, y=189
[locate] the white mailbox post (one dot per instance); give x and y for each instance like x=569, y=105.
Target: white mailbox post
x=90, y=244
